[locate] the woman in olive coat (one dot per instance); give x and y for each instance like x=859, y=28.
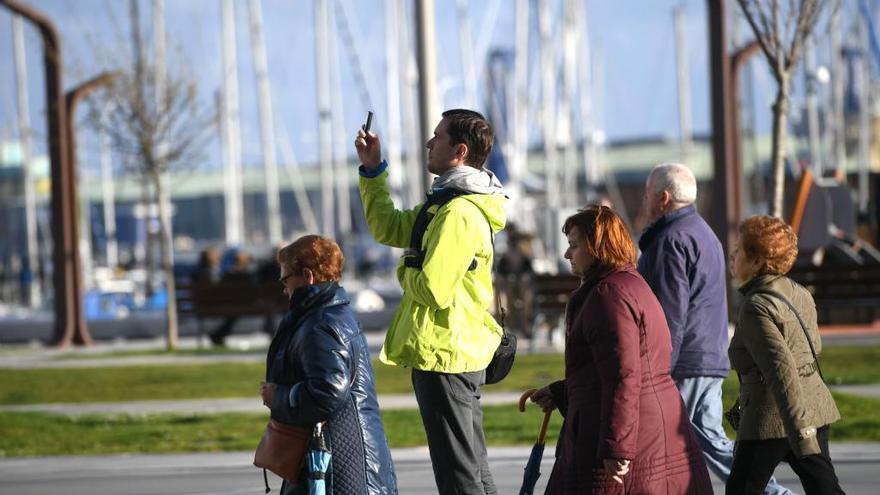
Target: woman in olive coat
x=786, y=409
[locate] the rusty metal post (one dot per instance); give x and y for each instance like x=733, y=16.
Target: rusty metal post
x=80, y=334
x=64, y=241
x=724, y=194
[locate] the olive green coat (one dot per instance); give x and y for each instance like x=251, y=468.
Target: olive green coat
x=781, y=393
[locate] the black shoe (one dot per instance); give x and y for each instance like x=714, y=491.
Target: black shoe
x=217, y=340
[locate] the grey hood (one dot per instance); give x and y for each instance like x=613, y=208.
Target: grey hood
x=470, y=179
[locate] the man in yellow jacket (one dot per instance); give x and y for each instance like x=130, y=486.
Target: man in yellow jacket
x=443, y=329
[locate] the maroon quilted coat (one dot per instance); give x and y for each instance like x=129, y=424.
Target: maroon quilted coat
x=618, y=398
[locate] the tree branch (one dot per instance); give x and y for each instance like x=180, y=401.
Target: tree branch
x=137, y=124
x=761, y=36
x=805, y=26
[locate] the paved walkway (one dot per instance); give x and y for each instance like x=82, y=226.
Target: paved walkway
x=232, y=473
x=872, y=390
x=241, y=348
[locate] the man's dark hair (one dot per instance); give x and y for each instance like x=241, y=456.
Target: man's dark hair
x=471, y=128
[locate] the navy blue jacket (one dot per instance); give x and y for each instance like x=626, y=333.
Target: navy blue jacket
x=683, y=262
x=320, y=361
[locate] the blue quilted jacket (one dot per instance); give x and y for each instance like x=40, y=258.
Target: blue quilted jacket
x=320, y=361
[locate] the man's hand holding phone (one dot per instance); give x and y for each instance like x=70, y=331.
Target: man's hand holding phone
x=367, y=145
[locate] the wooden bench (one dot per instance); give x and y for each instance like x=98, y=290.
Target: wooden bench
x=842, y=294
x=228, y=299
x=549, y=297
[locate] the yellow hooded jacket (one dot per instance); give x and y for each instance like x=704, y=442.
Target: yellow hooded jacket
x=443, y=322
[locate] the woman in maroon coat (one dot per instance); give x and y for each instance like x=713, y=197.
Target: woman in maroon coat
x=625, y=430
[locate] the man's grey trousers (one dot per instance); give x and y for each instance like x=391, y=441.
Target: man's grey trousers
x=450, y=409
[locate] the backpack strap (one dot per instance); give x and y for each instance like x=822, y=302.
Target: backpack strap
x=415, y=255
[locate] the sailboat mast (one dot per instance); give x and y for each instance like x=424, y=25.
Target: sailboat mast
x=340, y=151
x=231, y=135
x=325, y=151
x=24, y=125
x=683, y=79
x=267, y=129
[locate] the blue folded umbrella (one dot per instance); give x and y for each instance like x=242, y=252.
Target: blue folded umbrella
x=532, y=470
x=318, y=462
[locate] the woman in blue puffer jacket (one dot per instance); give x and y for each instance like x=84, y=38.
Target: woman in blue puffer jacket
x=318, y=369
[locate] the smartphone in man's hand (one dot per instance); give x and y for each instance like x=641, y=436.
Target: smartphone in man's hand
x=367, y=145
x=366, y=126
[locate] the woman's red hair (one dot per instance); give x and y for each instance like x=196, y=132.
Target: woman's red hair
x=769, y=241
x=606, y=237
x=317, y=253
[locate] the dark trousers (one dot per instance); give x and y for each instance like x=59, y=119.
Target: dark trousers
x=755, y=460
x=218, y=336
x=450, y=409
x=223, y=330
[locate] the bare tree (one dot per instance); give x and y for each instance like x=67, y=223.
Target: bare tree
x=781, y=29
x=156, y=126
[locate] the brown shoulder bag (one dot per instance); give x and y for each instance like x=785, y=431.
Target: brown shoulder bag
x=282, y=449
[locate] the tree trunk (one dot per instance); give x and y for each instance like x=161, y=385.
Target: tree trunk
x=167, y=250
x=148, y=263
x=780, y=119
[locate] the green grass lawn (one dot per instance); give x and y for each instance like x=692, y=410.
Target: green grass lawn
x=45, y=434
x=215, y=380
x=114, y=384
x=850, y=365
x=38, y=434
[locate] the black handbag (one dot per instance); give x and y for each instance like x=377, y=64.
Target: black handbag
x=734, y=415
x=502, y=360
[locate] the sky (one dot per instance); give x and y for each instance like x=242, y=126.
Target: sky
x=634, y=39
